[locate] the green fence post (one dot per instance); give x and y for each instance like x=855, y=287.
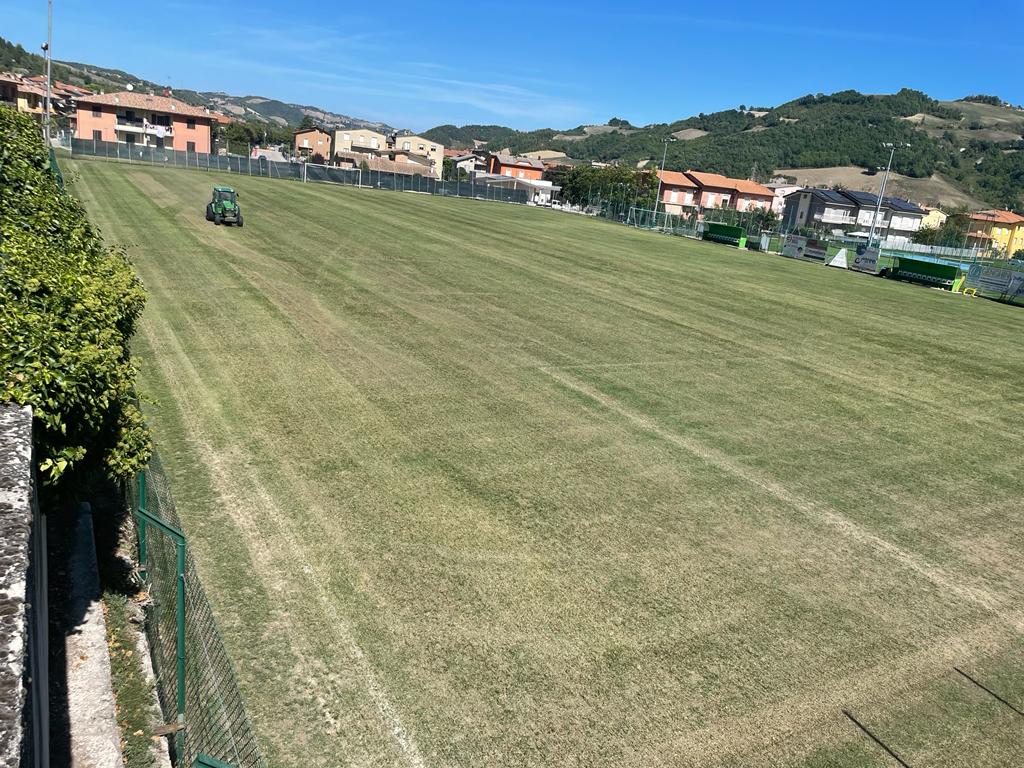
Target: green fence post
x=142, y=524
x=180, y=736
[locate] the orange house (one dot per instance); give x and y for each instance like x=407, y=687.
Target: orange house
x=678, y=191
x=516, y=167
x=313, y=141
x=140, y=118
x=717, y=191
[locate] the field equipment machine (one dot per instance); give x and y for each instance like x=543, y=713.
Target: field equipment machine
x=224, y=208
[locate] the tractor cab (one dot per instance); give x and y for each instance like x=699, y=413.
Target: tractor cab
x=223, y=208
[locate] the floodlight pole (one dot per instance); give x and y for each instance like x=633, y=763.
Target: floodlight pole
x=881, y=192
x=664, y=154
x=46, y=48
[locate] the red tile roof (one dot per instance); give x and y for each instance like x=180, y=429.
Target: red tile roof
x=676, y=179
x=998, y=217
x=724, y=182
x=135, y=100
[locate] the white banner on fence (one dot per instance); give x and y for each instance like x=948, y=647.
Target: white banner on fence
x=866, y=260
x=797, y=246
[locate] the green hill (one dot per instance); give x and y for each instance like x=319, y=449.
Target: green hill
x=975, y=145
x=250, y=109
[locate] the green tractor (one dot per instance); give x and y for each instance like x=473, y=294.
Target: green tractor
x=224, y=208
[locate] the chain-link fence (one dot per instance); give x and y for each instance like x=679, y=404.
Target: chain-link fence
x=261, y=166
x=196, y=676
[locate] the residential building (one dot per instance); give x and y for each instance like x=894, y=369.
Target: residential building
x=22, y=94
x=529, y=168
x=779, y=190
x=678, y=191
x=694, y=189
x=717, y=191
x=851, y=212
x=358, y=140
x=904, y=218
x=933, y=219
x=414, y=148
x=815, y=208
x=470, y=162
x=132, y=118
x=313, y=141
x=428, y=156
x=1002, y=230
x=866, y=203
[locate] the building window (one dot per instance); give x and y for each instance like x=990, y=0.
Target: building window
x=522, y=174
x=421, y=147
x=97, y=112
x=97, y=135
x=190, y=146
x=374, y=143
x=348, y=137
x=406, y=145
x=507, y=172
x=305, y=143
x=673, y=197
x=433, y=148
x=190, y=124
x=129, y=138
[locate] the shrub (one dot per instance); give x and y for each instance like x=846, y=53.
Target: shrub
x=68, y=308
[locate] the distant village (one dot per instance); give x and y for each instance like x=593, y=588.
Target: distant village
x=133, y=118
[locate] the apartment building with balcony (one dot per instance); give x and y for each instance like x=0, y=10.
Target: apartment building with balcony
x=814, y=208
x=420, y=155
x=1003, y=231
x=852, y=212
x=133, y=118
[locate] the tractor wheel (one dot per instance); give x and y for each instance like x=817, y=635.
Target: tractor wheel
x=209, y=212
x=239, y=222
x=216, y=218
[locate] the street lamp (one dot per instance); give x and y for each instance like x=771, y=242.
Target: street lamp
x=881, y=192
x=664, y=153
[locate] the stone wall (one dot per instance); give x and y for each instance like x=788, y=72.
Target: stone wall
x=16, y=515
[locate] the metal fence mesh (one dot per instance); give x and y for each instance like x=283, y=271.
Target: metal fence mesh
x=261, y=166
x=216, y=723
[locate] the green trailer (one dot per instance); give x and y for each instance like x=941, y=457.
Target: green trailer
x=725, y=233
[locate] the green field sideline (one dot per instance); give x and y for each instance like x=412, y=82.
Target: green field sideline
x=473, y=484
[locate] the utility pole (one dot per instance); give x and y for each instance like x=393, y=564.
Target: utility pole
x=46, y=51
x=881, y=192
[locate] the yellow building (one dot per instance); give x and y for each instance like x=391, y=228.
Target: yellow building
x=22, y=94
x=1001, y=230
x=426, y=155
x=933, y=219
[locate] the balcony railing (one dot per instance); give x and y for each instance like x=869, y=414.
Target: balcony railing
x=138, y=125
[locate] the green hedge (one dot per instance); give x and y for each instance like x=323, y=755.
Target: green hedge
x=68, y=307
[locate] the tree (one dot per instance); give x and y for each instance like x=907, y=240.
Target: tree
x=307, y=123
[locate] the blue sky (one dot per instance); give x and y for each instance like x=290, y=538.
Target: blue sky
x=534, y=65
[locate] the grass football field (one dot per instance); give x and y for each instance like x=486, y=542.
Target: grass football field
x=473, y=484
